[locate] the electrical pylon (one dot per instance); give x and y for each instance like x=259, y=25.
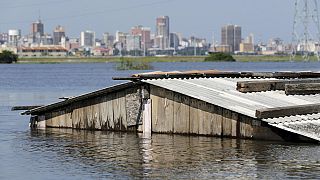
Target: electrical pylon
x=306, y=30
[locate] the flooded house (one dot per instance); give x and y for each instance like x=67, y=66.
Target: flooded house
x=249, y=105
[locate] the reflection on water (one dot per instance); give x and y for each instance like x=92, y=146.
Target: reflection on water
x=128, y=155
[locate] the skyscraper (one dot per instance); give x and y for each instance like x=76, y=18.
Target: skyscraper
x=162, y=32
x=37, y=30
x=145, y=33
x=58, y=34
x=88, y=39
x=231, y=36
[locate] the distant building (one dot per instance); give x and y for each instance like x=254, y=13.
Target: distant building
x=14, y=36
x=107, y=39
x=4, y=38
x=58, y=34
x=223, y=48
x=145, y=33
x=248, y=45
x=133, y=42
x=37, y=31
x=46, y=39
x=73, y=43
x=231, y=36
x=162, y=32
x=42, y=51
x=121, y=40
x=174, y=40
x=88, y=39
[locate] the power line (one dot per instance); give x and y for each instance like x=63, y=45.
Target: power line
x=33, y=4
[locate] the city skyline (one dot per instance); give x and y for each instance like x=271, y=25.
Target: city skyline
x=201, y=19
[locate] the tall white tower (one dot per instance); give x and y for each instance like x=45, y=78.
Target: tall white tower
x=306, y=30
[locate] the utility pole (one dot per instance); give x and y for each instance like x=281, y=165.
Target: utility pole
x=306, y=30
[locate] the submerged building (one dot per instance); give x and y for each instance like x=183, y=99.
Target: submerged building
x=266, y=106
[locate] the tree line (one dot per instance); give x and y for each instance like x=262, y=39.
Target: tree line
x=8, y=57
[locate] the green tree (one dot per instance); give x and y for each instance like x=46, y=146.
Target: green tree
x=219, y=56
x=8, y=57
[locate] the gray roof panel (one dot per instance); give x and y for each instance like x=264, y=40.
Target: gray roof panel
x=222, y=92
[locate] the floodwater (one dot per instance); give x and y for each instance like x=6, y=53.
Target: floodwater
x=72, y=154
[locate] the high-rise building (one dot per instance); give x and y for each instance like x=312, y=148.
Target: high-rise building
x=231, y=36
x=37, y=31
x=121, y=39
x=162, y=32
x=107, y=39
x=58, y=34
x=145, y=33
x=88, y=39
x=174, y=40
x=133, y=42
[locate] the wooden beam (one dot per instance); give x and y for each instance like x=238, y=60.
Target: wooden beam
x=270, y=85
x=302, y=89
x=24, y=108
x=287, y=111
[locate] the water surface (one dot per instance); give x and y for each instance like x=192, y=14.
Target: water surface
x=71, y=154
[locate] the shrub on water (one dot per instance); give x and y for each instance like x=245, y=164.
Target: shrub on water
x=219, y=56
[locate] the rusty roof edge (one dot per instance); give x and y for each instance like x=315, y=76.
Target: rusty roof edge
x=81, y=97
x=216, y=73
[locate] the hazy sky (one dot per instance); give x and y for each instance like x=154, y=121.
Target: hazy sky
x=263, y=18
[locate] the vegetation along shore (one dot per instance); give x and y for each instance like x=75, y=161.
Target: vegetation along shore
x=238, y=58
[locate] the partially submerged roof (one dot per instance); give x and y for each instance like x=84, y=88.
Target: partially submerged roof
x=222, y=92
x=307, y=125
x=81, y=97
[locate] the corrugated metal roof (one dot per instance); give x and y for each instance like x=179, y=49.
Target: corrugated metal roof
x=81, y=97
x=222, y=92
x=307, y=125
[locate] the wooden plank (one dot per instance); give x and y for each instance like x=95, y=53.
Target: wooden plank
x=246, y=129
x=20, y=108
x=287, y=111
x=103, y=113
x=227, y=123
x=194, y=116
x=168, y=110
x=204, y=119
x=234, y=121
x=109, y=113
x=302, y=89
x=158, y=109
x=217, y=121
x=123, y=113
x=181, y=114
x=116, y=112
x=96, y=113
x=209, y=119
x=161, y=116
x=154, y=108
x=270, y=85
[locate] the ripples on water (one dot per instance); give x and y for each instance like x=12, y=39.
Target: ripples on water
x=71, y=154
x=98, y=154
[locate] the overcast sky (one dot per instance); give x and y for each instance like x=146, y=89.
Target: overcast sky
x=203, y=18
